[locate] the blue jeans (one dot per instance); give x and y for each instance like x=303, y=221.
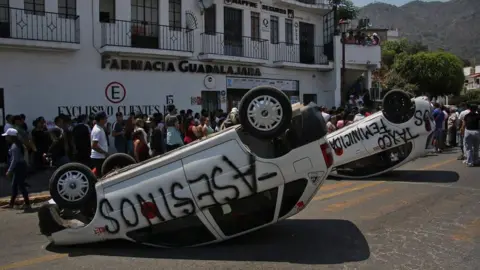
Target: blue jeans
x=18, y=183
x=438, y=139
x=472, y=142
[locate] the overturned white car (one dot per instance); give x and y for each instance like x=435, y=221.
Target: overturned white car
x=386, y=140
x=236, y=181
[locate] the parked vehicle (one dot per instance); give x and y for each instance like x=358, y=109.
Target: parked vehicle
x=379, y=143
x=241, y=179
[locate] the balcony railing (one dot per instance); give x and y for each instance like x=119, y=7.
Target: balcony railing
x=40, y=26
x=296, y=53
x=136, y=34
x=232, y=45
x=315, y=2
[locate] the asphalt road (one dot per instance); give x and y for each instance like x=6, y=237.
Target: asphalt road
x=425, y=215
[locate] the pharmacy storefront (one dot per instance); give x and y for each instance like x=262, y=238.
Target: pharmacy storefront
x=147, y=86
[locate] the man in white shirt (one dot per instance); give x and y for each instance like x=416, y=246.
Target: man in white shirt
x=461, y=117
x=359, y=116
x=99, y=142
x=325, y=114
x=8, y=123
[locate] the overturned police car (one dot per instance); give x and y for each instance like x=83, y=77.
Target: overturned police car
x=238, y=180
x=401, y=132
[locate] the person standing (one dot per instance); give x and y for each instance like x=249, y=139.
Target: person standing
x=174, y=137
x=17, y=170
x=81, y=140
x=157, y=141
x=118, y=134
x=439, y=117
x=99, y=142
x=472, y=135
x=461, y=116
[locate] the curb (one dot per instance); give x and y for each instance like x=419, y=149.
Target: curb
x=34, y=198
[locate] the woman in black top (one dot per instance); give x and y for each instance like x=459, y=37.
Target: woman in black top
x=471, y=123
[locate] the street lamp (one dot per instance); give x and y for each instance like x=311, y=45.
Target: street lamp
x=343, y=28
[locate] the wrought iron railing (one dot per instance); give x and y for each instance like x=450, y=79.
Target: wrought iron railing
x=141, y=34
x=233, y=45
x=315, y=2
x=39, y=25
x=296, y=53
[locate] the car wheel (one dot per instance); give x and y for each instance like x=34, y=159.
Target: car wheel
x=265, y=112
x=398, y=106
x=117, y=161
x=72, y=186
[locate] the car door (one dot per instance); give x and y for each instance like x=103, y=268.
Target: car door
x=156, y=207
x=236, y=192
x=348, y=144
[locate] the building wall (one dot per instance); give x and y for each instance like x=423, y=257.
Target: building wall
x=45, y=83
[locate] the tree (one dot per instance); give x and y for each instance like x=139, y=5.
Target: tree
x=346, y=10
x=435, y=73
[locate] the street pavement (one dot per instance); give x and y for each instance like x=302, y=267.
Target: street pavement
x=425, y=215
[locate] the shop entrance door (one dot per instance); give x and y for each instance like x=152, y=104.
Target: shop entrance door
x=234, y=96
x=210, y=101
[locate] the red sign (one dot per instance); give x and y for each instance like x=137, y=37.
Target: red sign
x=115, y=92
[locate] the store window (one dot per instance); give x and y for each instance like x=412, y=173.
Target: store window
x=210, y=19
x=175, y=14
x=107, y=11
x=288, y=31
x=67, y=8
x=274, y=29
x=35, y=7
x=255, y=25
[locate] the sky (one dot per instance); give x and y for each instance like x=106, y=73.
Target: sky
x=393, y=2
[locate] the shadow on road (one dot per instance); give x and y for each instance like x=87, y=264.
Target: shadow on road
x=38, y=182
x=418, y=176
x=292, y=240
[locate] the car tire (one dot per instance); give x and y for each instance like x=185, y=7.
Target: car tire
x=72, y=186
x=398, y=107
x=280, y=112
x=117, y=161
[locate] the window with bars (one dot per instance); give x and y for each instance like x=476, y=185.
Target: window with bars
x=175, y=14
x=210, y=20
x=145, y=17
x=255, y=25
x=107, y=11
x=35, y=7
x=289, y=31
x=67, y=8
x=274, y=29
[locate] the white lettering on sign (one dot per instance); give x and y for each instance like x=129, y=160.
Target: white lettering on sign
x=115, y=92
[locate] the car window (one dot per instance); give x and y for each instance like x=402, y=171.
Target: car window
x=376, y=163
x=184, y=231
x=246, y=213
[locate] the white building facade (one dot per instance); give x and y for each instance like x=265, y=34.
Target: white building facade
x=80, y=57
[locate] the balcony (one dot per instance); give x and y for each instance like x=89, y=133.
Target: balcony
x=147, y=39
x=39, y=30
x=296, y=56
x=369, y=55
x=230, y=48
x=320, y=7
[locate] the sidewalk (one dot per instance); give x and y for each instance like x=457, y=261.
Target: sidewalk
x=38, y=188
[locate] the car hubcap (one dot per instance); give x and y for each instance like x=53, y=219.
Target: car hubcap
x=73, y=186
x=265, y=113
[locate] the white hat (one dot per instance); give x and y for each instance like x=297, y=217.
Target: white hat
x=10, y=132
x=234, y=110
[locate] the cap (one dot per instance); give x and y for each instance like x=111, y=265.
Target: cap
x=10, y=132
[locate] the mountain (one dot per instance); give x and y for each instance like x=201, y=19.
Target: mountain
x=453, y=26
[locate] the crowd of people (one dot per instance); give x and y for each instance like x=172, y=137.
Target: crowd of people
x=87, y=139
x=361, y=38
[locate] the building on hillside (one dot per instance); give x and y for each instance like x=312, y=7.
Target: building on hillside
x=80, y=57
x=472, y=77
